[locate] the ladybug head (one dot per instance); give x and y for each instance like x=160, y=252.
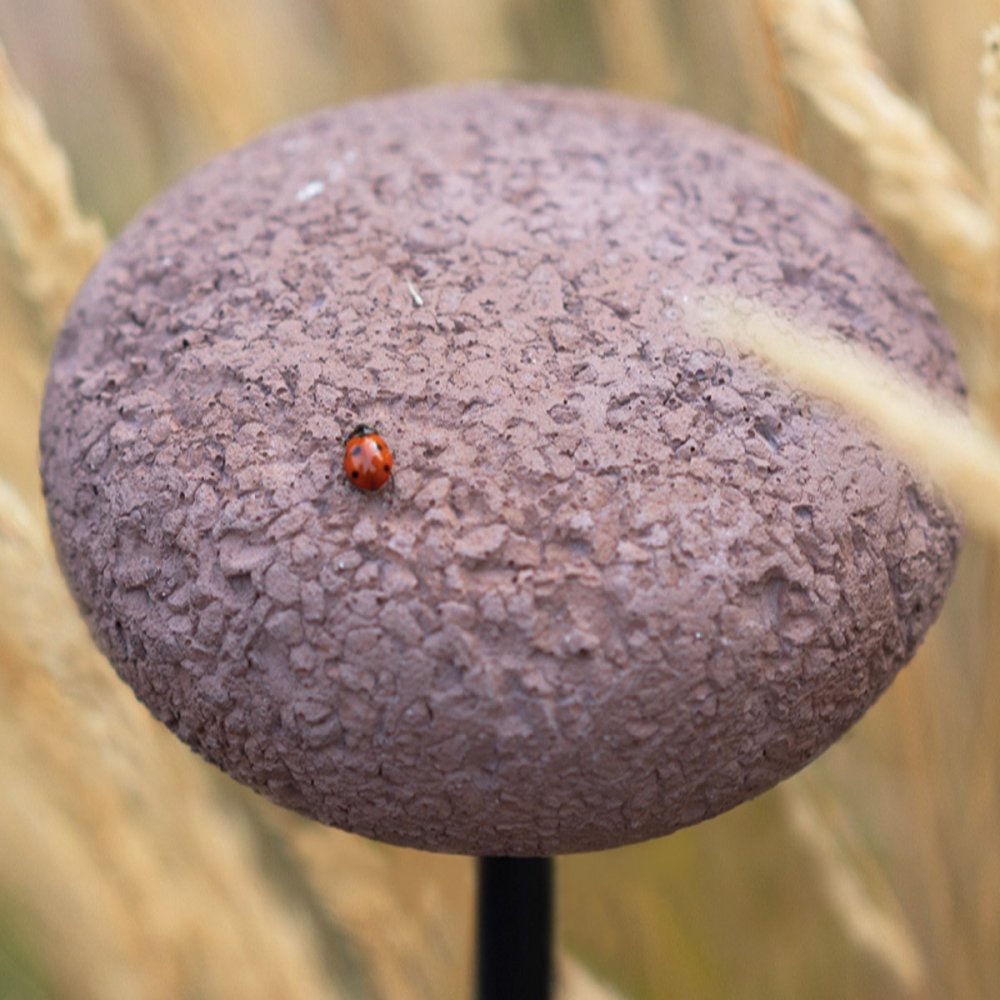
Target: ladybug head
x=362, y=430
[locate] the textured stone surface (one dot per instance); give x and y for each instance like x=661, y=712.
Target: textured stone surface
x=622, y=581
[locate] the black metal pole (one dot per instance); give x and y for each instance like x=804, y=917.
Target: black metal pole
x=514, y=929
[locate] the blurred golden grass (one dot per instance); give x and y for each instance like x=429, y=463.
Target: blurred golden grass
x=53, y=243
x=118, y=851
x=136, y=871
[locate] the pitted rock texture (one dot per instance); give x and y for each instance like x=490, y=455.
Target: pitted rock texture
x=622, y=581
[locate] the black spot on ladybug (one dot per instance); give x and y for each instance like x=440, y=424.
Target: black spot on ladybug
x=355, y=474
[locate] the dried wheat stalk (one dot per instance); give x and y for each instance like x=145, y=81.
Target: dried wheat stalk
x=52, y=242
x=915, y=178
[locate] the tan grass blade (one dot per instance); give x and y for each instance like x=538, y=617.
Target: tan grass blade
x=457, y=40
x=367, y=40
x=916, y=181
x=22, y=371
x=868, y=914
x=789, y=126
x=960, y=456
x=574, y=982
x=226, y=56
x=636, y=48
x=53, y=244
x=989, y=116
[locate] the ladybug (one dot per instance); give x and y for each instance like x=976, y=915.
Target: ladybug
x=367, y=459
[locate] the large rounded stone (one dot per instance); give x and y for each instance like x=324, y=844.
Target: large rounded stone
x=622, y=579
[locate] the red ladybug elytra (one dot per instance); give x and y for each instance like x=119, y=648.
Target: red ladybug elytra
x=367, y=459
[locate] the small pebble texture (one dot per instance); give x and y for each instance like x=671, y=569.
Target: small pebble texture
x=622, y=579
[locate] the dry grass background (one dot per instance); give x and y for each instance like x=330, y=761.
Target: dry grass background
x=129, y=869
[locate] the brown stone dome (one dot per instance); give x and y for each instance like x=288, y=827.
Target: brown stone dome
x=621, y=580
